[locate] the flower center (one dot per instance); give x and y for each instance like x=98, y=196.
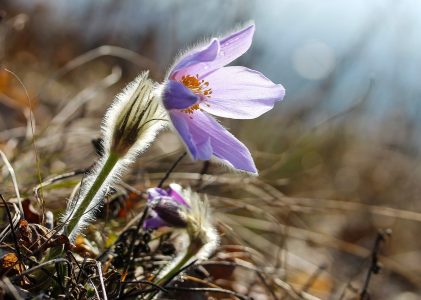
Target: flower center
x=198, y=87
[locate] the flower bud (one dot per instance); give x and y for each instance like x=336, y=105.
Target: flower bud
x=129, y=126
x=134, y=119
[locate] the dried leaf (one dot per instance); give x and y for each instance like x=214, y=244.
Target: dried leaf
x=10, y=260
x=31, y=215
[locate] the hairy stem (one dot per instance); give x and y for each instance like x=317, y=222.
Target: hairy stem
x=105, y=171
x=174, y=271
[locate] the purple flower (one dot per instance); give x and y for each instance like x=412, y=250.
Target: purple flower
x=199, y=84
x=165, y=207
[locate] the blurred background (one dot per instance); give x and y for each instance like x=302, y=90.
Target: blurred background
x=338, y=158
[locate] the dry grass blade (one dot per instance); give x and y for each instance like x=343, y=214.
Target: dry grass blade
x=337, y=205
x=101, y=279
x=105, y=50
x=17, y=216
x=85, y=95
x=15, y=182
x=292, y=293
x=7, y=285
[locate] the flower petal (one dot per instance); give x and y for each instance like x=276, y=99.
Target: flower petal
x=233, y=46
x=199, y=146
x=177, y=96
x=168, y=210
x=223, y=144
x=173, y=192
x=156, y=193
x=241, y=93
x=154, y=222
x=196, y=57
x=229, y=48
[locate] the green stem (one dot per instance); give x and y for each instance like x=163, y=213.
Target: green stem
x=99, y=180
x=164, y=280
x=173, y=272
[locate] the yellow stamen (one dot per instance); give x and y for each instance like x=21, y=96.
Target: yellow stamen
x=199, y=87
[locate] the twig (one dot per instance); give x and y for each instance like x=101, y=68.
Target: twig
x=84, y=273
x=79, y=266
x=131, y=246
x=142, y=291
x=374, y=267
x=170, y=170
x=96, y=290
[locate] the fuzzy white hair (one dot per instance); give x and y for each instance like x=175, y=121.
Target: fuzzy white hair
x=201, y=235
x=199, y=219
x=140, y=95
x=87, y=182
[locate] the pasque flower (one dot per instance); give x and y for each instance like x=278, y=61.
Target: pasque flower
x=199, y=84
x=182, y=208
x=179, y=208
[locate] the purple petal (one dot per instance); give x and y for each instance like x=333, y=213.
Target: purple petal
x=196, y=57
x=199, y=146
x=154, y=222
x=241, y=93
x=177, y=96
x=172, y=192
x=233, y=46
x=223, y=144
x=169, y=211
x=156, y=193
x=229, y=48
